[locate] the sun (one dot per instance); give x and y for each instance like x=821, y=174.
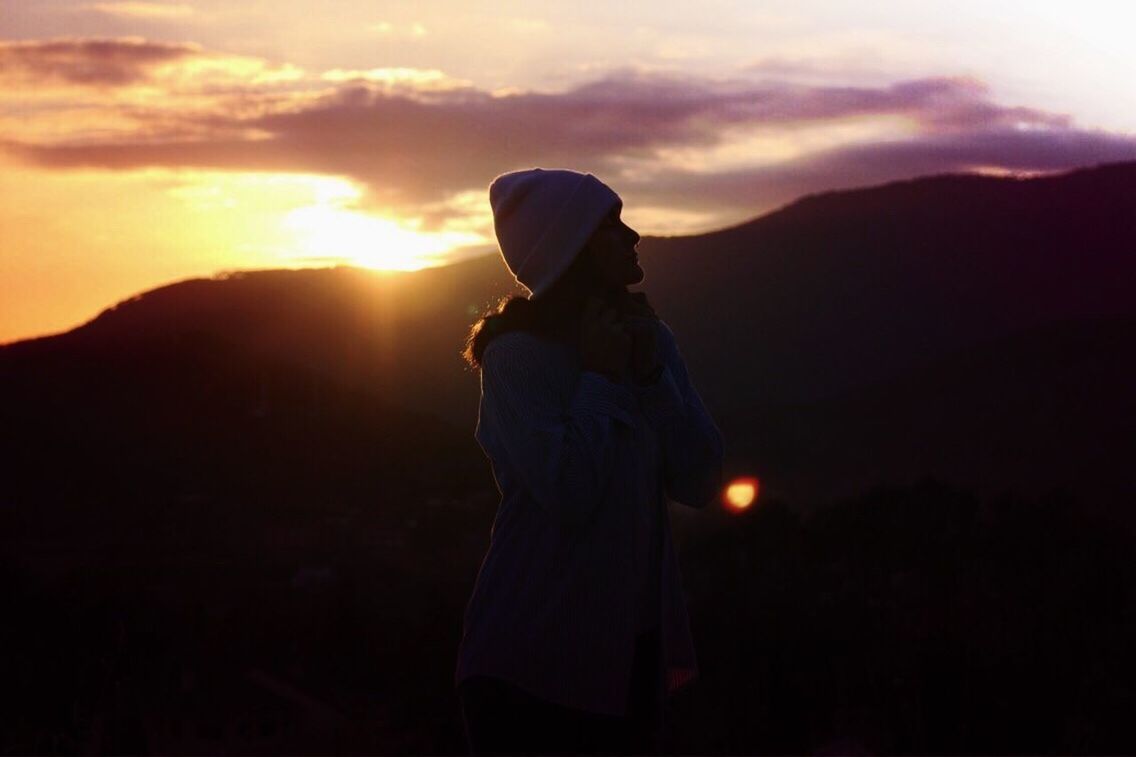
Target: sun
x=330, y=228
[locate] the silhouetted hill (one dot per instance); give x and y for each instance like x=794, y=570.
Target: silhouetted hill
x=194, y=412
x=393, y=334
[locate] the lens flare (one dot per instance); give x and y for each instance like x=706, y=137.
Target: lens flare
x=740, y=493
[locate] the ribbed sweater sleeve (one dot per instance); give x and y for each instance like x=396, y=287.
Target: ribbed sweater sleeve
x=693, y=449
x=564, y=455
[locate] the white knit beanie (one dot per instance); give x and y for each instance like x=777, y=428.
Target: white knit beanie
x=543, y=218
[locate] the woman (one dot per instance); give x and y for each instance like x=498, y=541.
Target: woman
x=577, y=628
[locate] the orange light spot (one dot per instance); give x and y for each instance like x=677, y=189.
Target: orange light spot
x=740, y=493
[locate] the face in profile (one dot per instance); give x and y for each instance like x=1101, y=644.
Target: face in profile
x=611, y=252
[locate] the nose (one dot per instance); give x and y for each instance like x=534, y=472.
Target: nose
x=634, y=235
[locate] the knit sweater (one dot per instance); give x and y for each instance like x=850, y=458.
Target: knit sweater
x=584, y=466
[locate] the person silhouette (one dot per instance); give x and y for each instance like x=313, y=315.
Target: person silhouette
x=577, y=630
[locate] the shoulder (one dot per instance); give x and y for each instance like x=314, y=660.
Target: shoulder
x=665, y=339
x=665, y=331
x=516, y=345
x=520, y=355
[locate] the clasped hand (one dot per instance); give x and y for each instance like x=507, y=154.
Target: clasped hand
x=620, y=341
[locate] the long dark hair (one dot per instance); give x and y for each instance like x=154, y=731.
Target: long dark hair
x=554, y=315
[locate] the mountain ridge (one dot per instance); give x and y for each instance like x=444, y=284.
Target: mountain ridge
x=789, y=212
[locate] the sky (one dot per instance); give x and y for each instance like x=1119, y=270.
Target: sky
x=149, y=141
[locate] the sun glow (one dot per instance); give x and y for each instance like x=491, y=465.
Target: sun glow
x=73, y=242
x=332, y=229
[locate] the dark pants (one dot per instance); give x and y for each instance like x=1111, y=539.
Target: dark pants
x=501, y=718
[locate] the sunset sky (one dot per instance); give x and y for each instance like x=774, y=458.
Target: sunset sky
x=143, y=142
